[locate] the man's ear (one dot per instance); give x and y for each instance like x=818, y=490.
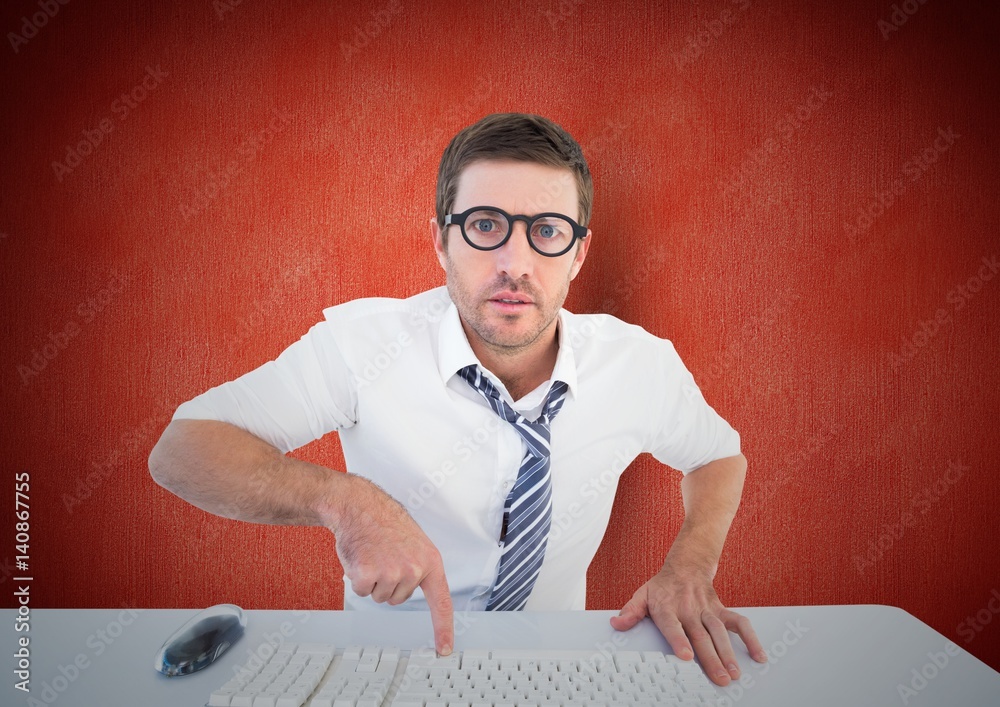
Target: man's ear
x=581, y=254
x=437, y=238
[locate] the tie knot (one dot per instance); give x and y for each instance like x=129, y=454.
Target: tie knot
x=474, y=376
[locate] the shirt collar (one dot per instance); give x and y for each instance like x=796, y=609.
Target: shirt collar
x=455, y=352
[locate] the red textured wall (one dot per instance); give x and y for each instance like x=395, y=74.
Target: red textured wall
x=800, y=195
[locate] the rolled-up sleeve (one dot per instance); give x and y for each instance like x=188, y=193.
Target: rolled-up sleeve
x=307, y=392
x=690, y=432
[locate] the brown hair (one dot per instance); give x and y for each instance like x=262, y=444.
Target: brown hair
x=513, y=136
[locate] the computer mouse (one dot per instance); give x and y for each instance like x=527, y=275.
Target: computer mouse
x=199, y=643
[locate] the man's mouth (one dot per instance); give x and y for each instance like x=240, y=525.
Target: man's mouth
x=510, y=300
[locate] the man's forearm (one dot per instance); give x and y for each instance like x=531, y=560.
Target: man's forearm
x=711, y=497
x=227, y=471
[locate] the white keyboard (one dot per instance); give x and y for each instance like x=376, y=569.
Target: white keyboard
x=317, y=675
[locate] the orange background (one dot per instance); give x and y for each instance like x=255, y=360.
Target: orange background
x=282, y=158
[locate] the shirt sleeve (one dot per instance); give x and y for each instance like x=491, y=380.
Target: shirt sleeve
x=690, y=433
x=302, y=395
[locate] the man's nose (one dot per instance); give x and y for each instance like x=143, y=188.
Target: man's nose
x=516, y=258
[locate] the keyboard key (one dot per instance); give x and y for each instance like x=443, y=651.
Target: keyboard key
x=243, y=698
x=292, y=699
x=222, y=697
x=315, y=649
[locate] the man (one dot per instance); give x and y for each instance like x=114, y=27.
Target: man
x=502, y=420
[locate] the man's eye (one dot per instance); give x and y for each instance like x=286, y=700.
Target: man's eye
x=484, y=225
x=551, y=230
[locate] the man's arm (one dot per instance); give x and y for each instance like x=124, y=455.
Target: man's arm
x=225, y=470
x=680, y=598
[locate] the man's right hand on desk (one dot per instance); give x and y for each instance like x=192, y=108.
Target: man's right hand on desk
x=386, y=555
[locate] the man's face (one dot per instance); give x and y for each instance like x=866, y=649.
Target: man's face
x=479, y=281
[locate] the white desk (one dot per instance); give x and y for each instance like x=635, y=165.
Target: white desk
x=820, y=655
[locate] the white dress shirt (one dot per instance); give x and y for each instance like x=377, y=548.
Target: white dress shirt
x=382, y=373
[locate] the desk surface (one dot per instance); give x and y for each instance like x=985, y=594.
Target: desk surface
x=820, y=655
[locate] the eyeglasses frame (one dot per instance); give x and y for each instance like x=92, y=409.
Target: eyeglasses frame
x=579, y=232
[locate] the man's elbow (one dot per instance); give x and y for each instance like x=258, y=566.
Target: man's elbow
x=162, y=461
x=157, y=463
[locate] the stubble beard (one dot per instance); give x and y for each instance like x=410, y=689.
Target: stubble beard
x=472, y=308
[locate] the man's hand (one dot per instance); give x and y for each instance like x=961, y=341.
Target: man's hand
x=225, y=470
x=686, y=609
x=680, y=598
x=386, y=555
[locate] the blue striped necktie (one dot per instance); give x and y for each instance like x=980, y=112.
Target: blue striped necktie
x=527, y=512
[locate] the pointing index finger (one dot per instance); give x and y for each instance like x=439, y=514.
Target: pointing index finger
x=438, y=596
